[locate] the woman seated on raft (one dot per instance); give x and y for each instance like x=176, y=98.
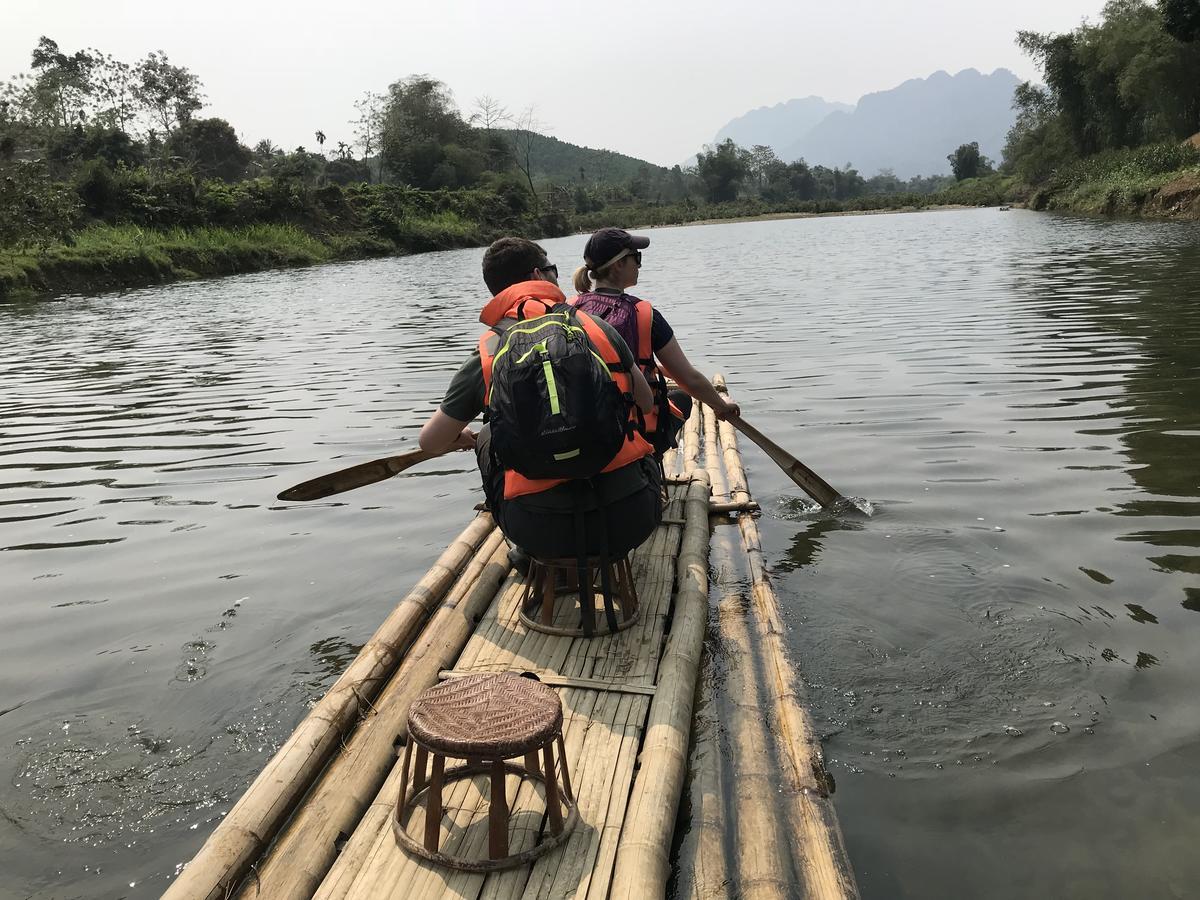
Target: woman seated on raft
x=622, y=509
x=612, y=260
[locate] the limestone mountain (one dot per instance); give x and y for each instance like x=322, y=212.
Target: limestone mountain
x=780, y=125
x=909, y=129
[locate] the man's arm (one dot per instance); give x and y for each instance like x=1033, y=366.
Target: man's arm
x=642, y=395
x=675, y=364
x=443, y=433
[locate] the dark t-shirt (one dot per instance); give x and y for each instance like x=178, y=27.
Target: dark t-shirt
x=464, y=396
x=660, y=331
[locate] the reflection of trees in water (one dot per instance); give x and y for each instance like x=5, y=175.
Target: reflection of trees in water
x=1150, y=295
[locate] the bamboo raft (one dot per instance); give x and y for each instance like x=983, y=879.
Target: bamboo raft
x=316, y=823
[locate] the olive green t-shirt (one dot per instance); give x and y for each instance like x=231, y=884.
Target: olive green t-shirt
x=464, y=396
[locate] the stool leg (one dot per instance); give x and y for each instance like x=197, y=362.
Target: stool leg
x=548, y=596
x=606, y=590
x=531, y=763
x=566, y=776
x=587, y=604
x=552, y=806
x=498, y=814
x=433, y=805
x=419, y=764
x=628, y=589
x=404, y=780
x=529, y=594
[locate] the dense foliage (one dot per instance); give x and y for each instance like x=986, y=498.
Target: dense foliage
x=1131, y=79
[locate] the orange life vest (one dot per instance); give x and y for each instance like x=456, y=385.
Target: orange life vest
x=528, y=300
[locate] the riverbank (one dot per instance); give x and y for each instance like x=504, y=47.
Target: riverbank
x=767, y=217
x=110, y=257
x=145, y=231
x=114, y=257
x=1174, y=195
x=1155, y=181
x=1150, y=182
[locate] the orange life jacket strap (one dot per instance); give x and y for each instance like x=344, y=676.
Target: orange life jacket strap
x=645, y=321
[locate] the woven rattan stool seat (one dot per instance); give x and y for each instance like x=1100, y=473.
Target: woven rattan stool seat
x=494, y=716
x=487, y=720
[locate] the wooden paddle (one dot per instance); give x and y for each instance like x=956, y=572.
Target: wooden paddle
x=356, y=476
x=808, y=480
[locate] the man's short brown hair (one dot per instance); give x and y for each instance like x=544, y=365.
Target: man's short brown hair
x=509, y=261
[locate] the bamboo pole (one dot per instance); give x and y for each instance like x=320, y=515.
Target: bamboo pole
x=732, y=507
x=691, y=440
x=712, y=459
x=821, y=852
x=307, y=848
x=760, y=848
x=246, y=831
x=709, y=875
x=643, y=852
x=703, y=872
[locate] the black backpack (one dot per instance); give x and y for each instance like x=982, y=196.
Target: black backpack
x=554, y=407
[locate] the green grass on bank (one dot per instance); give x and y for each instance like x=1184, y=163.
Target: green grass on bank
x=106, y=256
x=110, y=256
x=1125, y=181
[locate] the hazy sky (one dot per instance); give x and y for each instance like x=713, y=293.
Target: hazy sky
x=655, y=79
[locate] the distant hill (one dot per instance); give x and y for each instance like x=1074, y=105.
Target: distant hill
x=911, y=128
x=778, y=126
x=560, y=161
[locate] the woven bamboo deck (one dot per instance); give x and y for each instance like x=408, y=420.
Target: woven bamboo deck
x=317, y=823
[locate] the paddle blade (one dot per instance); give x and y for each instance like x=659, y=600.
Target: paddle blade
x=354, y=477
x=804, y=477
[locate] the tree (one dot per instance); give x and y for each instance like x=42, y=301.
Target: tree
x=58, y=95
x=367, y=125
x=488, y=113
x=762, y=161
x=1181, y=19
x=115, y=105
x=210, y=148
x=320, y=136
x=968, y=162
x=171, y=94
x=525, y=136
x=721, y=169
x=34, y=209
x=424, y=141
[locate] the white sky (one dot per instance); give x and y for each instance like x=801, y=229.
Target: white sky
x=654, y=79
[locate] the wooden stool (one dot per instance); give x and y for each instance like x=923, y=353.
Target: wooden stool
x=485, y=720
x=539, y=594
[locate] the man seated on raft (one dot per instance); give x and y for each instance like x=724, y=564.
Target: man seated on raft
x=620, y=505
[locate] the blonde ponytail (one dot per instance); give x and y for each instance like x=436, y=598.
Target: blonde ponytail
x=581, y=280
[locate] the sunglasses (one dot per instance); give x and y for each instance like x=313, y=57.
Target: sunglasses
x=549, y=268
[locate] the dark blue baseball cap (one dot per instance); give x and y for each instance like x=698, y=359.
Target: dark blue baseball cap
x=608, y=244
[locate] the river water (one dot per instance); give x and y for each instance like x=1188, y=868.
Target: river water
x=999, y=659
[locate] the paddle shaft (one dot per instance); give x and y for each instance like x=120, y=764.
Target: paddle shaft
x=356, y=476
x=806, y=479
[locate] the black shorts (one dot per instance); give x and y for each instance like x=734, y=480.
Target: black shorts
x=620, y=509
